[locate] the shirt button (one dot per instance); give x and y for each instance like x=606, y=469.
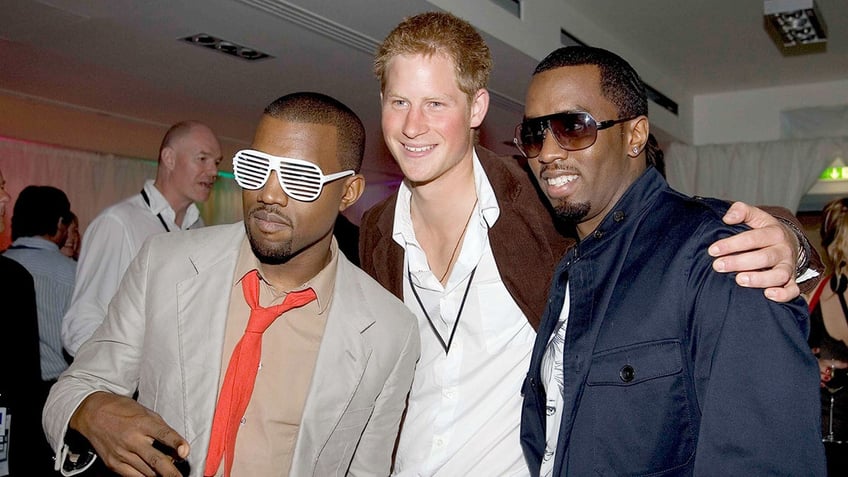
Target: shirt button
x=618, y=216
x=627, y=373
x=598, y=234
x=439, y=442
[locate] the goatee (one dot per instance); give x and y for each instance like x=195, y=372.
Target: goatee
x=571, y=212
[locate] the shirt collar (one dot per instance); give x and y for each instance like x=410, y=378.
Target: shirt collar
x=487, y=203
x=638, y=197
x=486, y=197
x=35, y=242
x=322, y=283
x=159, y=205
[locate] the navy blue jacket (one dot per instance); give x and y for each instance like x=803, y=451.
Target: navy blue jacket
x=670, y=368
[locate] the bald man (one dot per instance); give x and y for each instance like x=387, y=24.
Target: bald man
x=188, y=166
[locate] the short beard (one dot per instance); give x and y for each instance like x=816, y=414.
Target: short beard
x=571, y=212
x=277, y=254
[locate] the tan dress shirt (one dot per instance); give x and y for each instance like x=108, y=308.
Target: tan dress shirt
x=269, y=429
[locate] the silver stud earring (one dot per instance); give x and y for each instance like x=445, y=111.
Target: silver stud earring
x=635, y=150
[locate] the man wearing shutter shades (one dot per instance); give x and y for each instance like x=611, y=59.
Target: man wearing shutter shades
x=647, y=361
x=333, y=370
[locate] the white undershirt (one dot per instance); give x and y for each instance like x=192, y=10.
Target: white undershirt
x=464, y=407
x=552, y=379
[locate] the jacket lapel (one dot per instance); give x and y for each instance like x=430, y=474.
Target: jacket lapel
x=205, y=297
x=341, y=363
x=384, y=259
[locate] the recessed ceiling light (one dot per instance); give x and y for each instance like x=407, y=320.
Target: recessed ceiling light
x=225, y=46
x=796, y=26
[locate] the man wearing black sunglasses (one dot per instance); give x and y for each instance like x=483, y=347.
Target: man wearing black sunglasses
x=331, y=378
x=470, y=248
x=647, y=361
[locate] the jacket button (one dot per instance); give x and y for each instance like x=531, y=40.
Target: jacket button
x=627, y=373
x=618, y=216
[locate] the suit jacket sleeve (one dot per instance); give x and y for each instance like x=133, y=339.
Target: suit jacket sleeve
x=373, y=455
x=109, y=361
x=755, y=378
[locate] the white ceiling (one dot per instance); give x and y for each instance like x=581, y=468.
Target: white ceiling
x=122, y=57
x=720, y=45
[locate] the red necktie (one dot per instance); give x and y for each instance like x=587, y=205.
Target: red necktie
x=241, y=372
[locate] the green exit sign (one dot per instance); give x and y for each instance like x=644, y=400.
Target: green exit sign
x=834, y=174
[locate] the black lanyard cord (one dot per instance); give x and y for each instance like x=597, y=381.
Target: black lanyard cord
x=147, y=201
x=458, y=313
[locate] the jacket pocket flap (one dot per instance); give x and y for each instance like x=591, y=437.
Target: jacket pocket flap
x=634, y=364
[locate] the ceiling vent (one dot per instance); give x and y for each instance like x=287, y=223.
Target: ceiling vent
x=224, y=46
x=796, y=26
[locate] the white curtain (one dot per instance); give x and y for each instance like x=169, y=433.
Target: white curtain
x=772, y=173
x=94, y=181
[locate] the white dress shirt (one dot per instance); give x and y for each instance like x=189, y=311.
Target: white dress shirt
x=109, y=244
x=464, y=408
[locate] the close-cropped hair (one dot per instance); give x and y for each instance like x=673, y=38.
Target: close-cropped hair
x=38, y=210
x=620, y=83
x=834, y=235
x=317, y=108
x=441, y=33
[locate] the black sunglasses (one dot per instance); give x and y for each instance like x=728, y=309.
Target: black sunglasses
x=571, y=131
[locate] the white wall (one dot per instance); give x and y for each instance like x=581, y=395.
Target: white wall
x=539, y=34
x=754, y=115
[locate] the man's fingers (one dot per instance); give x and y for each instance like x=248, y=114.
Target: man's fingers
x=778, y=277
x=753, y=241
x=740, y=212
x=779, y=283
x=129, y=464
x=170, y=442
x=163, y=463
x=754, y=264
x=783, y=294
x=737, y=213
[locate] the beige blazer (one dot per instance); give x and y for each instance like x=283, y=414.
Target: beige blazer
x=164, y=333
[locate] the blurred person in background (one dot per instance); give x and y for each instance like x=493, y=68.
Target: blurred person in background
x=37, y=282
x=188, y=167
x=829, y=334
x=19, y=322
x=71, y=248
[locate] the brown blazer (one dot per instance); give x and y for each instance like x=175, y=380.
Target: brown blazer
x=525, y=243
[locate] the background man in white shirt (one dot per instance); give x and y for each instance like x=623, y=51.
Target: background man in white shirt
x=188, y=167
